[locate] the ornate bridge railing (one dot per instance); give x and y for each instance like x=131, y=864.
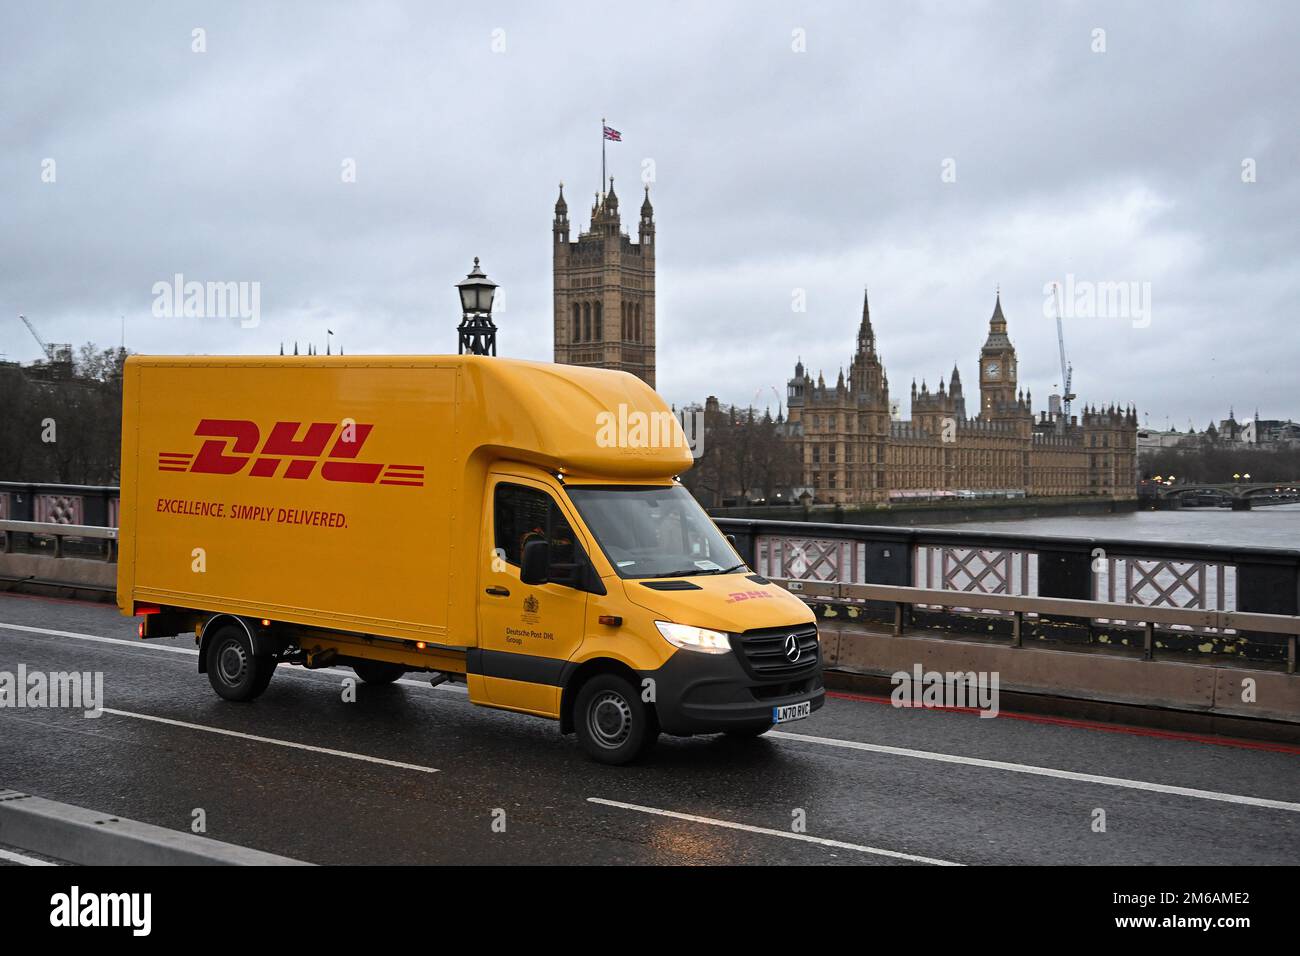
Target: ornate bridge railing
x=59, y=504
x=1148, y=574
x=58, y=520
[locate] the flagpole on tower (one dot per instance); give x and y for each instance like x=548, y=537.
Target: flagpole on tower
x=602, y=155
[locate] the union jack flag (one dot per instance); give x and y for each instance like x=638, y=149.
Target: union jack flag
x=615, y=135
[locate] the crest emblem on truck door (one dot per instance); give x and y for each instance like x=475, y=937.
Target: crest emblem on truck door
x=234, y=445
x=530, y=605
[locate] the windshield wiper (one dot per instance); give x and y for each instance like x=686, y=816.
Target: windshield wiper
x=694, y=572
x=731, y=570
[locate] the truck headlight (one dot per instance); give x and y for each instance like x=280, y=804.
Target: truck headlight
x=694, y=638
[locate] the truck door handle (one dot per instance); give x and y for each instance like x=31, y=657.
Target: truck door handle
x=498, y=592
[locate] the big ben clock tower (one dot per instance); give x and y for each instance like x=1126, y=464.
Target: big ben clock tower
x=997, y=367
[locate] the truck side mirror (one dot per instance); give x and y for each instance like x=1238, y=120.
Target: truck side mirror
x=535, y=564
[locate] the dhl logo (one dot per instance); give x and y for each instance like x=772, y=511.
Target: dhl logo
x=233, y=443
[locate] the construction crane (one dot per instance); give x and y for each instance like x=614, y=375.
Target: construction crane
x=1067, y=370
x=47, y=349
x=58, y=353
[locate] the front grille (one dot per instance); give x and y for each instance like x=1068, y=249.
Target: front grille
x=765, y=656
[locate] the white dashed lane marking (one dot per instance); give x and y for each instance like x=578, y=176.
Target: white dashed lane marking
x=767, y=831
x=272, y=740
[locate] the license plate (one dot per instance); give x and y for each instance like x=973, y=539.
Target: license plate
x=783, y=715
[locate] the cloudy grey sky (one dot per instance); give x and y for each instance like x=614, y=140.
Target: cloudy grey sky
x=776, y=169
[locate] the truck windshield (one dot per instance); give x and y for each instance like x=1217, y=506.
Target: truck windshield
x=656, y=532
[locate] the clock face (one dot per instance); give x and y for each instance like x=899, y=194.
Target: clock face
x=991, y=369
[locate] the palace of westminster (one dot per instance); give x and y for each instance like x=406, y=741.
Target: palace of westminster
x=855, y=451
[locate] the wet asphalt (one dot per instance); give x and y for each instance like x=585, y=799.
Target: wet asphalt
x=477, y=786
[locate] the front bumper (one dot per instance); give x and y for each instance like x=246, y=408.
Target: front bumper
x=709, y=693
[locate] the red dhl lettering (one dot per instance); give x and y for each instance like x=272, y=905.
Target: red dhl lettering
x=234, y=445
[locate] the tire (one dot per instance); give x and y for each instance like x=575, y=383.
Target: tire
x=613, y=724
x=234, y=672
x=266, y=670
x=748, y=733
x=378, y=672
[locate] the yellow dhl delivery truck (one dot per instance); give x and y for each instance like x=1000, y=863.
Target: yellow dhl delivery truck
x=512, y=525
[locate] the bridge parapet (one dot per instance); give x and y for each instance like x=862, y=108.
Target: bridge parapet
x=95, y=505
x=979, y=564
x=1136, y=574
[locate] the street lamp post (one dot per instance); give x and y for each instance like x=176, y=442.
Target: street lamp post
x=478, y=336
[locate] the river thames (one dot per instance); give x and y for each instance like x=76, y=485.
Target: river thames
x=1275, y=526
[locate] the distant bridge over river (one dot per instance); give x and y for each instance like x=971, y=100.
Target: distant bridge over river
x=1240, y=496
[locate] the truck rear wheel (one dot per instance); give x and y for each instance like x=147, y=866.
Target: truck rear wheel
x=614, y=725
x=234, y=671
x=378, y=672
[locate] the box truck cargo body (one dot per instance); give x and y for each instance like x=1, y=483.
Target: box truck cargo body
x=514, y=525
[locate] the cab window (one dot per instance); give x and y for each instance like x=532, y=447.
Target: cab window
x=522, y=514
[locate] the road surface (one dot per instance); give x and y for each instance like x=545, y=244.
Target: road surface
x=411, y=774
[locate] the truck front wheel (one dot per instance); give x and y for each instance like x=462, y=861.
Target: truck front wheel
x=378, y=672
x=234, y=671
x=614, y=725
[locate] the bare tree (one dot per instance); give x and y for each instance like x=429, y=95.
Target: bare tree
x=66, y=431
